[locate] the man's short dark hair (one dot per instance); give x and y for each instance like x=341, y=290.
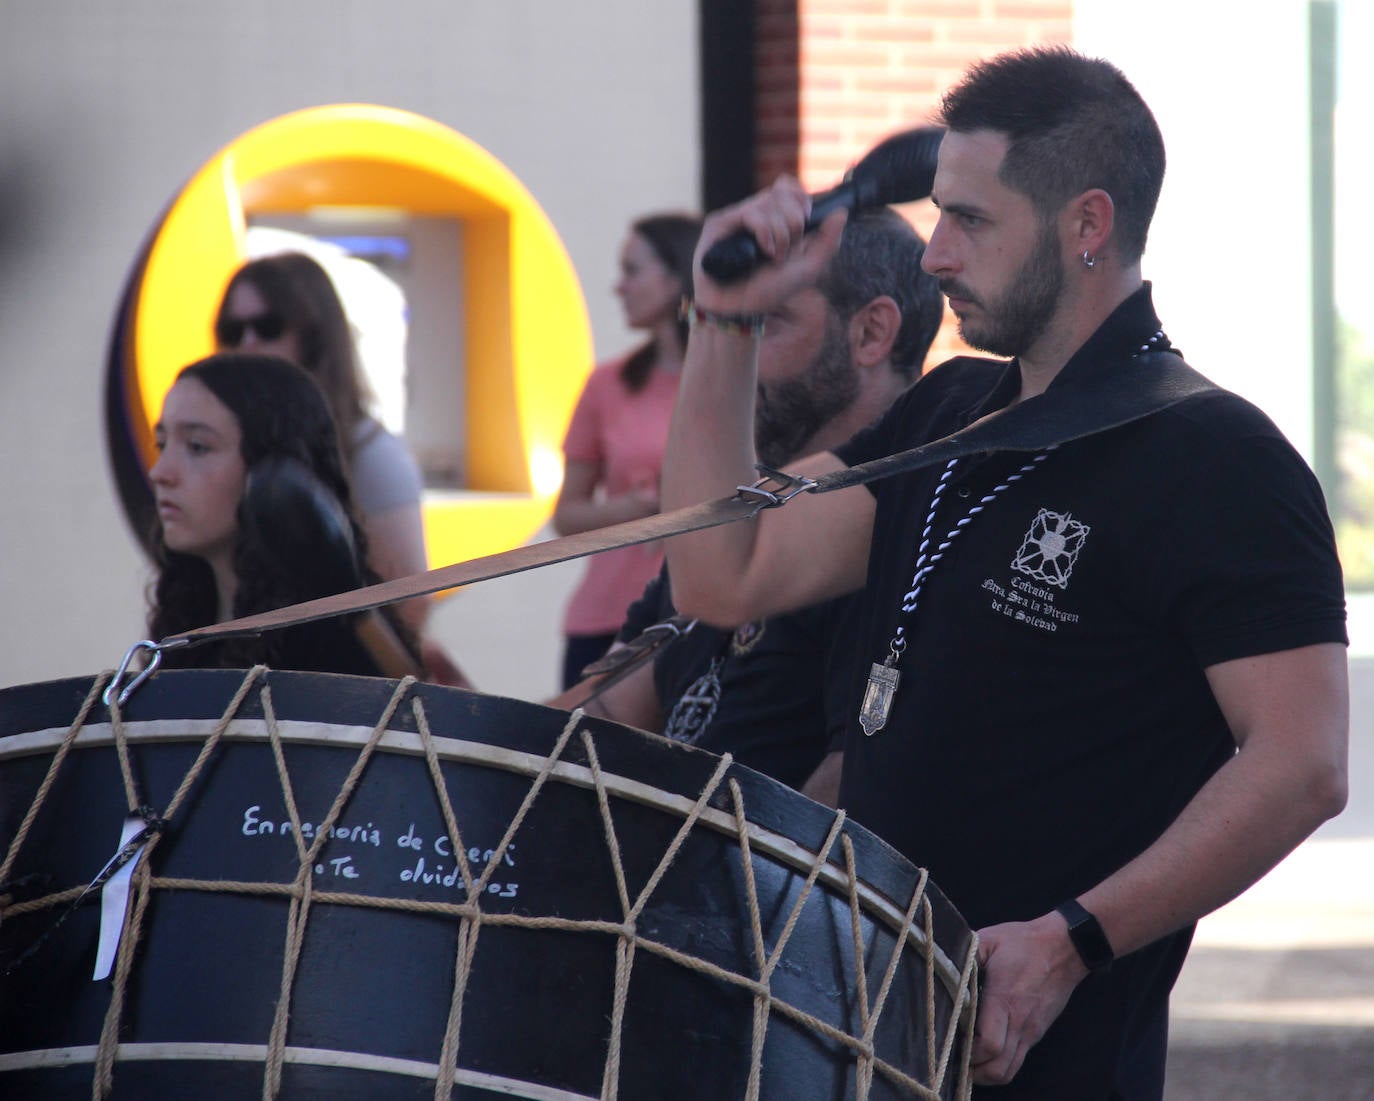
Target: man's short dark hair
x=880, y=254
x=1073, y=123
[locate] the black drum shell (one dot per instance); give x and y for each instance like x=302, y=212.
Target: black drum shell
x=379, y=982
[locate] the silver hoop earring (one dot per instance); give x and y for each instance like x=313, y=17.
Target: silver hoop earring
x=1088, y=261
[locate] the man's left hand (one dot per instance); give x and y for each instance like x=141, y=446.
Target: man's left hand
x=1029, y=969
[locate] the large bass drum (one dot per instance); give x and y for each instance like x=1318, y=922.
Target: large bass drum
x=314, y=886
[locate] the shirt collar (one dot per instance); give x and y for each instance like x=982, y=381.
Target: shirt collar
x=1116, y=340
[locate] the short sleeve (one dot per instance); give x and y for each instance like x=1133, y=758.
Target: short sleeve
x=384, y=473
x=1254, y=567
x=843, y=661
x=584, y=439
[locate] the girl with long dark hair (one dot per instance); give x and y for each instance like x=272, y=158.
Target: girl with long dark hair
x=226, y=418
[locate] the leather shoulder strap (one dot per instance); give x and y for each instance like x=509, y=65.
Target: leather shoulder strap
x=1159, y=380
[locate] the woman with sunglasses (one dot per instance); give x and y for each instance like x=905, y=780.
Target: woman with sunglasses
x=242, y=435
x=285, y=304
x=614, y=446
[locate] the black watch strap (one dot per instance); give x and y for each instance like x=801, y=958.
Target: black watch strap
x=1088, y=938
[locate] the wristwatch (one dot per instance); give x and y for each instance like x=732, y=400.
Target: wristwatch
x=1092, y=944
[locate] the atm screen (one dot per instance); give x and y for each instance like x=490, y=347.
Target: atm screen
x=374, y=247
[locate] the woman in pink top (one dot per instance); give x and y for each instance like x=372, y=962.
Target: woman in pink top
x=614, y=445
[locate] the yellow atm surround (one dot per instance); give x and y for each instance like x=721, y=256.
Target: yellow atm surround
x=528, y=339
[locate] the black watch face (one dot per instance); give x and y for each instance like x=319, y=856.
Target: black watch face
x=1087, y=936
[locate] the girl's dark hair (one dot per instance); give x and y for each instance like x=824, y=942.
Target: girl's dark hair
x=297, y=289
x=673, y=237
x=281, y=411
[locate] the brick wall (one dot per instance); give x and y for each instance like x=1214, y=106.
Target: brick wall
x=836, y=76
x=777, y=89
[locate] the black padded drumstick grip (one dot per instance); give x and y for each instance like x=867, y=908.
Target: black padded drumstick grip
x=732, y=258
x=900, y=169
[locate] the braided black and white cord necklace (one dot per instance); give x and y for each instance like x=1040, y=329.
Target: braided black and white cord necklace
x=884, y=676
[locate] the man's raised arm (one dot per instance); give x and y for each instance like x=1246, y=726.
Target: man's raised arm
x=815, y=546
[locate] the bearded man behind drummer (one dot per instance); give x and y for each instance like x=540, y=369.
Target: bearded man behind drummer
x=833, y=357
x=1120, y=681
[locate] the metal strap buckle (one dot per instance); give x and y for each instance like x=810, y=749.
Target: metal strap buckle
x=639, y=648
x=789, y=486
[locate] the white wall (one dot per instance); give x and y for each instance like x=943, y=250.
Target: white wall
x=106, y=110
x=1230, y=251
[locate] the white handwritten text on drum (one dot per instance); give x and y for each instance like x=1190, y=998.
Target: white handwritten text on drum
x=452, y=878
x=253, y=826
x=444, y=847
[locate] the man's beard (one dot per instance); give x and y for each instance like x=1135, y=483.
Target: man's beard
x=788, y=414
x=1016, y=322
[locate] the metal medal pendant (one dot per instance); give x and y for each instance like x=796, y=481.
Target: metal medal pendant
x=882, y=687
x=693, y=712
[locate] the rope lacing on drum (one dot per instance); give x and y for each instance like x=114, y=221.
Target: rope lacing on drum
x=703, y=812
x=74, y=895
x=50, y=777
x=299, y=912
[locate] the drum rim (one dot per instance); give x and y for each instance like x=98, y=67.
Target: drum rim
x=166, y=1051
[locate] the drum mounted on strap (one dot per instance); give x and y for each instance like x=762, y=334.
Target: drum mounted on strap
x=307, y=886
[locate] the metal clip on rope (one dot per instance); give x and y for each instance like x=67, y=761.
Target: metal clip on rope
x=155, y=648
x=790, y=486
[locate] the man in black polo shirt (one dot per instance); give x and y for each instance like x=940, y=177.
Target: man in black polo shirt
x=833, y=357
x=1106, y=683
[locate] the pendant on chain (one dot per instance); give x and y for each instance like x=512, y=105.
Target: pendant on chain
x=883, y=679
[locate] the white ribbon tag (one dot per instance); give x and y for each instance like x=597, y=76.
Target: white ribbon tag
x=114, y=901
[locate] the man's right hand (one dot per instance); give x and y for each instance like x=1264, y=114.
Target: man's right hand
x=777, y=219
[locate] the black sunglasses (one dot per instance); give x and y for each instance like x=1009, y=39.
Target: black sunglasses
x=230, y=331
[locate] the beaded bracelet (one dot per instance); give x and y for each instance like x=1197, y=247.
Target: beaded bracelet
x=736, y=324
